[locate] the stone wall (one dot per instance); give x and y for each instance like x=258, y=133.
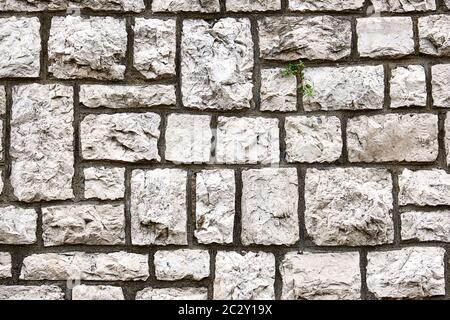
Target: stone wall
x=153, y=149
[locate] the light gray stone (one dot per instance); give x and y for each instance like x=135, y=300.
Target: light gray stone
x=278, y=93
x=17, y=225
x=426, y=225
x=122, y=137
x=325, y=5
x=215, y=206
x=87, y=47
x=2, y=100
x=20, y=47
x=1, y=150
x=57, y=5
x=270, y=206
x=84, y=292
x=31, y=293
x=181, y=264
x=125, y=97
x=5, y=265
x=312, y=38
x=345, y=88
x=253, y=5
x=116, y=266
x=403, y=5
x=321, y=276
x=186, y=5
x=424, y=187
x=447, y=138
x=217, y=64
x=441, y=85
x=172, y=294
x=41, y=146
x=408, y=87
x=188, y=138
x=158, y=207
x=83, y=224
x=393, y=137
x=154, y=47
x=434, y=35
x=313, y=139
x=406, y=273
x=247, y=140
x=246, y=276
x=385, y=36
x=349, y=206
x=104, y=183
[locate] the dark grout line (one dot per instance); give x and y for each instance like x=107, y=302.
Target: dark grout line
x=237, y=229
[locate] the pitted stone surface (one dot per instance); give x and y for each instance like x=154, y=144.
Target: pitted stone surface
x=2, y=100
x=87, y=48
x=403, y=5
x=408, y=87
x=186, y=5
x=434, y=37
x=56, y=5
x=173, y=294
x=274, y=99
x=321, y=276
x=349, y=206
x=181, y=264
x=426, y=225
x=215, y=206
x=83, y=224
x=44, y=292
x=5, y=265
x=325, y=5
x=217, y=64
x=104, y=183
x=441, y=85
x=17, y=225
x=253, y=5
x=84, y=292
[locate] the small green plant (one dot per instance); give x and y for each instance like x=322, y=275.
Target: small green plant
x=298, y=70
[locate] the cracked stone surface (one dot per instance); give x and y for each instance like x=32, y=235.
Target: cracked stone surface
x=316, y=276
x=215, y=206
x=253, y=5
x=406, y=273
x=5, y=265
x=274, y=99
x=104, y=183
x=181, y=264
x=84, y=224
x=408, y=87
x=17, y=225
x=217, y=64
x=186, y=5
x=122, y=136
x=434, y=38
x=57, y=5
x=84, y=292
x=325, y=5
x=270, y=207
x=87, y=48
x=172, y=294
x=31, y=293
x=158, y=207
x=247, y=276
x=349, y=206
x=441, y=85
x=426, y=225
x=403, y=5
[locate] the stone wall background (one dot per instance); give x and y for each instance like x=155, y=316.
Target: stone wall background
x=152, y=149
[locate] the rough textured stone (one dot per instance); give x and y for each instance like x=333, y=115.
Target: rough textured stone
x=20, y=47
x=2, y=100
x=188, y=138
x=84, y=224
x=313, y=139
x=385, y=36
x=316, y=276
x=393, y=137
x=406, y=273
x=278, y=93
x=403, y=5
x=1, y=150
x=17, y=225
x=5, y=265
x=87, y=47
x=104, y=183
x=349, y=206
x=247, y=276
x=217, y=64
x=54, y=5
x=434, y=36
x=83, y=292
x=253, y=5
x=215, y=206
x=424, y=187
x=117, y=266
x=173, y=294
x=123, y=97
x=31, y=293
x=42, y=142
x=408, y=87
x=154, y=47
x=447, y=138
x=441, y=85
x=270, y=207
x=325, y=5
x=122, y=137
x=315, y=38
x=186, y=5
x=247, y=140
x=345, y=88
x=181, y=264
x=426, y=226
x=158, y=207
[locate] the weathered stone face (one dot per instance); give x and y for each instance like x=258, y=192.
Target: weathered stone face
x=172, y=294
x=325, y=5
x=253, y=5
x=349, y=206
x=186, y=5
x=56, y=5
x=219, y=75
x=278, y=93
x=2, y=100
x=31, y=293
x=158, y=207
x=181, y=264
x=17, y=225
x=434, y=37
x=408, y=87
x=248, y=276
x=315, y=276
x=87, y=48
x=5, y=265
x=406, y=273
x=426, y=226
x=403, y=6
x=84, y=292
x=104, y=183
x=293, y=38
x=441, y=85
